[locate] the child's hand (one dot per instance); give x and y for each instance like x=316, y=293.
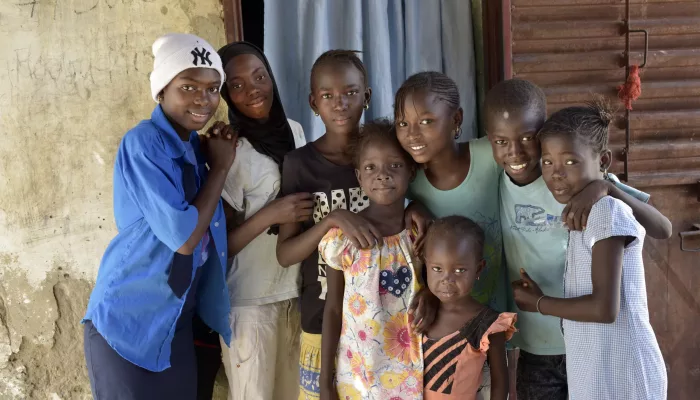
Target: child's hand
x=418, y=216
x=423, y=310
x=526, y=292
x=220, y=129
x=575, y=214
x=290, y=209
x=219, y=145
x=361, y=233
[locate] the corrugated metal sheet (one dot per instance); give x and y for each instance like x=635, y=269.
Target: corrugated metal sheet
x=573, y=48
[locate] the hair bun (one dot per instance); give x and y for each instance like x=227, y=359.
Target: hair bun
x=606, y=116
x=603, y=108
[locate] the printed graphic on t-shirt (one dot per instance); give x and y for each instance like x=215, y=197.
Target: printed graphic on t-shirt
x=529, y=218
x=358, y=201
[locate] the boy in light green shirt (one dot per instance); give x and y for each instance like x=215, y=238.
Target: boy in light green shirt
x=534, y=233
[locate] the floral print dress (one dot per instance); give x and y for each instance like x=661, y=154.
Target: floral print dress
x=378, y=355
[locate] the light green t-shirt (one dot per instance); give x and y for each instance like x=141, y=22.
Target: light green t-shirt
x=477, y=199
x=535, y=238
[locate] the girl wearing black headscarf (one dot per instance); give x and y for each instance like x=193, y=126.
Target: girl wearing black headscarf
x=262, y=362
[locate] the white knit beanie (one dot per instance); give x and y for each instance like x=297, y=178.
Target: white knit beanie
x=176, y=52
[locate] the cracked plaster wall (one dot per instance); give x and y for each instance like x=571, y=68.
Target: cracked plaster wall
x=73, y=79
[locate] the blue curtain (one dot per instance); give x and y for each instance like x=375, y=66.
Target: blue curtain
x=397, y=38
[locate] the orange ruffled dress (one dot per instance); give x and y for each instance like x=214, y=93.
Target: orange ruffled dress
x=453, y=365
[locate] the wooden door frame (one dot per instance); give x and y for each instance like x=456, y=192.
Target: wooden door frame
x=498, y=55
x=233, y=20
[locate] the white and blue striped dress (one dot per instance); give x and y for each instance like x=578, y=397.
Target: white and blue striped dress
x=621, y=360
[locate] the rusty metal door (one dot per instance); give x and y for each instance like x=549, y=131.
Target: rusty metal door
x=573, y=48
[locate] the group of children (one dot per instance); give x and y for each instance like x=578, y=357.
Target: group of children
x=391, y=235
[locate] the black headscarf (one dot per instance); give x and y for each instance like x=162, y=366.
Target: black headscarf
x=273, y=138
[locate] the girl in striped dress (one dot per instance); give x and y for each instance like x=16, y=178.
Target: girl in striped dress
x=466, y=334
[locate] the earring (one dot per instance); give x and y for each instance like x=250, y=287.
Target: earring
x=315, y=113
x=458, y=132
x=366, y=106
x=159, y=98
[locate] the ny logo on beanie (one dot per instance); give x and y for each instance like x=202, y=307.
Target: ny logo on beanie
x=176, y=52
x=203, y=56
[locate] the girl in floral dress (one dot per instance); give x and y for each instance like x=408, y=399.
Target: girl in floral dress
x=368, y=348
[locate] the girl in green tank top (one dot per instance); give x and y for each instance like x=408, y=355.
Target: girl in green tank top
x=456, y=178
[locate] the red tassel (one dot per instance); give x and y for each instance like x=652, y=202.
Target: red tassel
x=632, y=89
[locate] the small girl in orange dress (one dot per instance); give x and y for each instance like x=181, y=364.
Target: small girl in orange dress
x=465, y=334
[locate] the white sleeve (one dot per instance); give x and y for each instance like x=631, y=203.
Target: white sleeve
x=238, y=178
x=298, y=132
x=610, y=217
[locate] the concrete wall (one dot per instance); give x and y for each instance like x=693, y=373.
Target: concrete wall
x=73, y=79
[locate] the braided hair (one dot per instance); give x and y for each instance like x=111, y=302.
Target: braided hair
x=381, y=130
x=444, y=88
x=589, y=124
x=339, y=57
x=457, y=227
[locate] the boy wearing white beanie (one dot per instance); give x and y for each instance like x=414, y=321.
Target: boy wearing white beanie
x=167, y=264
x=183, y=62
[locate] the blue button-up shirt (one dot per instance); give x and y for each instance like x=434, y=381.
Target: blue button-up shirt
x=132, y=305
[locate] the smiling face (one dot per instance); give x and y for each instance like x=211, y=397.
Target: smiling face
x=249, y=85
x=569, y=164
x=428, y=126
x=191, y=98
x=513, y=137
x=453, y=264
x=338, y=95
x=383, y=172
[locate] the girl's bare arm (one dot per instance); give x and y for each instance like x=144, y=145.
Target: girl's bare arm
x=603, y=304
x=499, y=366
